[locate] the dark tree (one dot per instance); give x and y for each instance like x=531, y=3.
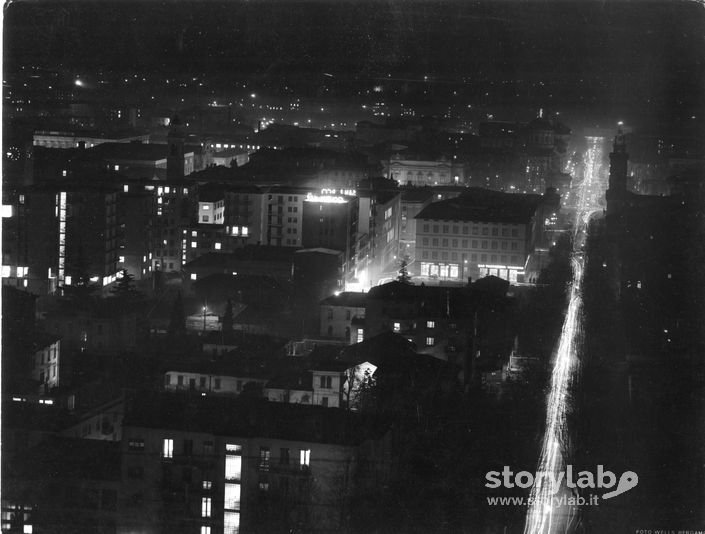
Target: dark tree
x=404, y=276
x=177, y=321
x=227, y=324
x=125, y=286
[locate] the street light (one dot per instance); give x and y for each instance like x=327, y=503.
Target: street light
x=205, y=308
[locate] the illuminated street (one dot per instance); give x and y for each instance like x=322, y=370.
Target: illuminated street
x=544, y=516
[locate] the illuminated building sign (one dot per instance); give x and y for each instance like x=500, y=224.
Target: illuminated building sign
x=325, y=199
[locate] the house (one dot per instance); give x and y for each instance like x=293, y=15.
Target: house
x=338, y=312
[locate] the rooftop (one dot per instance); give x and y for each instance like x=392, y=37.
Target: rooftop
x=247, y=418
x=484, y=205
x=348, y=299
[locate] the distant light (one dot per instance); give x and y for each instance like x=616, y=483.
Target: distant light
x=78, y=83
x=336, y=293
x=253, y=95
x=620, y=123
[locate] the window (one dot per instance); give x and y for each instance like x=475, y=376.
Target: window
x=204, y=218
x=430, y=324
x=167, y=448
x=188, y=447
x=330, y=313
x=485, y=231
x=208, y=447
x=445, y=228
x=231, y=522
x=515, y=232
x=397, y=327
x=425, y=241
x=324, y=401
x=205, y=530
x=434, y=242
x=205, y=507
x=466, y=229
x=425, y=227
x=360, y=335
x=304, y=457
x=494, y=245
x=167, y=379
x=515, y=245
x=203, y=382
x=264, y=454
x=217, y=383
x=217, y=246
x=180, y=380
x=207, y=485
x=233, y=461
x=284, y=456
x=430, y=341
x=232, y=496
x=455, y=229
x=135, y=444
x=326, y=382
x=495, y=231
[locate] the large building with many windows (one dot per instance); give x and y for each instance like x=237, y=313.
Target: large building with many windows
x=479, y=233
x=227, y=466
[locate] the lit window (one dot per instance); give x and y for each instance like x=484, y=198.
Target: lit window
x=207, y=484
x=232, y=496
x=121, y=259
x=304, y=457
x=264, y=455
x=194, y=276
x=205, y=530
x=360, y=335
x=217, y=246
x=6, y=271
x=205, y=507
x=244, y=230
x=194, y=233
x=27, y=529
x=194, y=244
x=168, y=448
x=430, y=341
x=430, y=324
x=116, y=167
x=397, y=327
x=206, y=207
x=231, y=522
x=233, y=461
x=125, y=188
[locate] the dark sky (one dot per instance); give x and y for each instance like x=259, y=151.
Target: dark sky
x=641, y=49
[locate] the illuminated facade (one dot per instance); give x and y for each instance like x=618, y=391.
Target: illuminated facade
x=422, y=172
x=480, y=233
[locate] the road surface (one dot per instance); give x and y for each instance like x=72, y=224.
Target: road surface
x=547, y=514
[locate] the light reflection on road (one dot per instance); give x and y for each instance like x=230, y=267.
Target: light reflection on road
x=544, y=516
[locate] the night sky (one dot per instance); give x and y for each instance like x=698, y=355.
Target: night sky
x=636, y=55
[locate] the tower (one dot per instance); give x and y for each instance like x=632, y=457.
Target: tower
x=617, y=189
x=175, y=156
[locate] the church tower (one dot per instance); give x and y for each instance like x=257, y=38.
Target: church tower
x=617, y=189
x=175, y=157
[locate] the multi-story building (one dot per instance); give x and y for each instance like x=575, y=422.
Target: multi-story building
x=412, y=202
x=63, y=233
x=330, y=221
x=284, y=216
x=478, y=233
x=339, y=314
x=221, y=465
x=419, y=172
x=85, y=139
